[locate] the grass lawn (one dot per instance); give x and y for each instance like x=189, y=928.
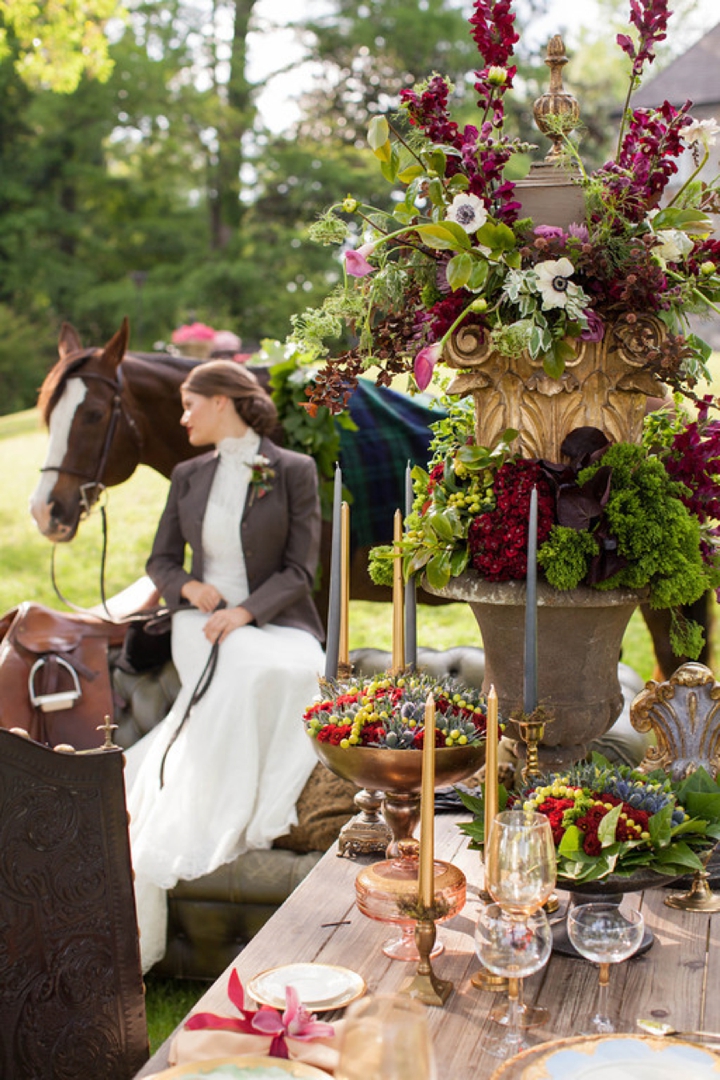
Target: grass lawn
x=133, y=511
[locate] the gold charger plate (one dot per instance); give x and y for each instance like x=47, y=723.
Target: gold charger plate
x=219, y=1067
x=611, y=1057
x=319, y=986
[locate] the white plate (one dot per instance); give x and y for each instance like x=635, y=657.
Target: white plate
x=613, y=1057
x=319, y=986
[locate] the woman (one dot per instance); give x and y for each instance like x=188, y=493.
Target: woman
x=225, y=779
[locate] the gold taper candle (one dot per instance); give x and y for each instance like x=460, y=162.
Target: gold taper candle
x=491, y=761
x=344, y=645
x=398, y=628
x=426, y=882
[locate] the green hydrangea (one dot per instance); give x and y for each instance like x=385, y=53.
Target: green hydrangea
x=565, y=556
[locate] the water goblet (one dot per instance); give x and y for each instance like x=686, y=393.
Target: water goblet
x=386, y=1037
x=601, y=932
x=513, y=947
x=520, y=875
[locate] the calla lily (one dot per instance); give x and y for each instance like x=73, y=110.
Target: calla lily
x=424, y=365
x=356, y=262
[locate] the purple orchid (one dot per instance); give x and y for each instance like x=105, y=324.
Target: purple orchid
x=424, y=365
x=295, y=1023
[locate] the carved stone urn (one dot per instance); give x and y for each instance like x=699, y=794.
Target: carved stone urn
x=606, y=386
x=580, y=632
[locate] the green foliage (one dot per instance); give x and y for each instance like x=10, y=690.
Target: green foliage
x=564, y=556
x=27, y=351
x=314, y=432
x=56, y=44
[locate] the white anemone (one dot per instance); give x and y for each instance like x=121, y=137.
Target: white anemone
x=553, y=282
x=467, y=211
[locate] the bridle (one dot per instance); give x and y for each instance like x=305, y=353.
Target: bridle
x=92, y=489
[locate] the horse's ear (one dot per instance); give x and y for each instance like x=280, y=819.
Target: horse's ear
x=117, y=345
x=69, y=341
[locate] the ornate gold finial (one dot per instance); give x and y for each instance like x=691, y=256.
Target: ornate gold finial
x=556, y=102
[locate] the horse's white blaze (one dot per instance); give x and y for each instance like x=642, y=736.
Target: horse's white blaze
x=61, y=420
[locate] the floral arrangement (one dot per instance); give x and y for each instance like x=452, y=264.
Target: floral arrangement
x=611, y=516
x=295, y=1022
x=388, y=711
x=456, y=249
x=609, y=819
x=192, y=332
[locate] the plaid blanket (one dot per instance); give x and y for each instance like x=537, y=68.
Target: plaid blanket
x=392, y=430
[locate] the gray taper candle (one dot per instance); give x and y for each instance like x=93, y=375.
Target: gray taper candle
x=531, y=660
x=332, y=645
x=410, y=586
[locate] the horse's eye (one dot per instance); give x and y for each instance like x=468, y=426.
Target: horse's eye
x=92, y=416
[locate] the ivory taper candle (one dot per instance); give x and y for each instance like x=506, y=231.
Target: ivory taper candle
x=531, y=658
x=332, y=644
x=410, y=587
x=398, y=628
x=344, y=636
x=426, y=877
x=491, y=761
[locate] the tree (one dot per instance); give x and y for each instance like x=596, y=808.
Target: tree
x=54, y=45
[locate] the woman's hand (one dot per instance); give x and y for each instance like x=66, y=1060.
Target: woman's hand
x=201, y=595
x=223, y=622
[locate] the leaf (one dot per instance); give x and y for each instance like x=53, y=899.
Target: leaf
x=438, y=162
x=410, y=172
x=496, y=236
x=389, y=166
x=444, y=237
x=660, y=827
x=608, y=826
x=437, y=570
x=458, y=561
x=378, y=132
x=458, y=270
x=517, y=167
x=440, y=525
x=458, y=182
x=479, y=275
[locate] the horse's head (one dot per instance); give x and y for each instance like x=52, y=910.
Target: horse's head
x=94, y=441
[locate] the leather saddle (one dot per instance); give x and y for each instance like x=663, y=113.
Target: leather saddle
x=54, y=675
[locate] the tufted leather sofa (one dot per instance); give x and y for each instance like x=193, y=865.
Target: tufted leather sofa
x=212, y=917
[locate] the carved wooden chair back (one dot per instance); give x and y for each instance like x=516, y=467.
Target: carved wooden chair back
x=71, y=990
x=684, y=714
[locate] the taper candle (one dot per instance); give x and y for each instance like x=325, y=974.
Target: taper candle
x=426, y=877
x=410, y=587
x=344, y=636
x=491, y=761
x=398, y=628
x=332, y=644
x=531, y=659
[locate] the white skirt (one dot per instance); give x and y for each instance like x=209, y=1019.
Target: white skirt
x=235, y=771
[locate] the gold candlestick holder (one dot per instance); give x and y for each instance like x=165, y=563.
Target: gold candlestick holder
x=425, y=985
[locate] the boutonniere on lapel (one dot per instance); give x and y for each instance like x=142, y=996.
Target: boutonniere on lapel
x=261, y=477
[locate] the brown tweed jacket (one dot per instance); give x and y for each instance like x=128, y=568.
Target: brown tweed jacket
x=280, y=535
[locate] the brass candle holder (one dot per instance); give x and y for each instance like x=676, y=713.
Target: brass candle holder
x=425, y=985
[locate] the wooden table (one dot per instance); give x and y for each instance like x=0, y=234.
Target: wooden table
x=676, y=979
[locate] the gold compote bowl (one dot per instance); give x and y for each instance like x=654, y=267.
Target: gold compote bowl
x=398, y=774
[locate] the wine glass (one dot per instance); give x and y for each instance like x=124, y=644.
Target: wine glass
x=386, y=1037
x=520, y=866
x=603, y=933
x=520, y=875
x=513, y=947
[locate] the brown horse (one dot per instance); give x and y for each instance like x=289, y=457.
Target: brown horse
x=109, y=410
